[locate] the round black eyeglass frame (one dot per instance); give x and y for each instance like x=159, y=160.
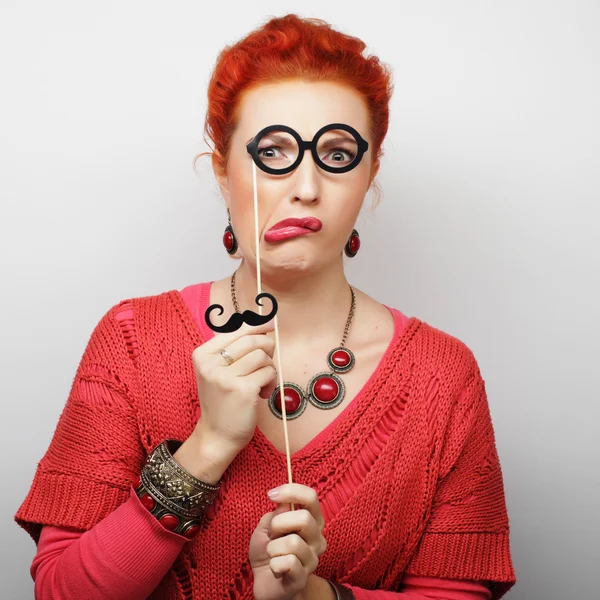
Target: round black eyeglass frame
x=362, y=146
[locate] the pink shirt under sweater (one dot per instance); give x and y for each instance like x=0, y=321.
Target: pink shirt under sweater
x=112, y=559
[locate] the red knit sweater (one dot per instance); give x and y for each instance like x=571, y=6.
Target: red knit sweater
x=419, y=432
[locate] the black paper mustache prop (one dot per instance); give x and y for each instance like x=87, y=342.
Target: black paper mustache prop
x=238, y=319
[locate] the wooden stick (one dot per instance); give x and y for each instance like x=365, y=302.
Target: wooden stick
x=277, y=344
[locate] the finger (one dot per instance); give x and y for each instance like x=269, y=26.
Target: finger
x=243, y=349
x=299, y=521
x=265, y=521
x=246, y=353
x=293, y=544
x=281, y=508
x=304, y=495
x=291, y=567
x=267, y=390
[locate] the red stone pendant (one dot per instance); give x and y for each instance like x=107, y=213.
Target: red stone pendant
x=340, y=360
x=326, y=390
x=295, y=401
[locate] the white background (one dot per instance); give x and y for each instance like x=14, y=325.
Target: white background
x=488, y=227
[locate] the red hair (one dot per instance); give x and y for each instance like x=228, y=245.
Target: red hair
x=293, y=47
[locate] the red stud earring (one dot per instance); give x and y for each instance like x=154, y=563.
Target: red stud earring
x=229, y=240
x=353, y=244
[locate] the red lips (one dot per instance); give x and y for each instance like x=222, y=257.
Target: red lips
x=311, y=223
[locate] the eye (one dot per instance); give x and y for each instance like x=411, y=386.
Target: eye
x=269, y=149
x=339, y=154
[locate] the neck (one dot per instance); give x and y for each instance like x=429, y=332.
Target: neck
x=310, y=305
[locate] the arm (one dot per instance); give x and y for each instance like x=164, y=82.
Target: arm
x=467, y=533
x=81, y=494
x=112, y=560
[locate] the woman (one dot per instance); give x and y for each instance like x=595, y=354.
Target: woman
x=397, y=486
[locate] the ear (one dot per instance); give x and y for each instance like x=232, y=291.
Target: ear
x=374, y=170
x=223, y=183
x=221, y=177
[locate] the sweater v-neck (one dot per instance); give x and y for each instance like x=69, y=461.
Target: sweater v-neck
x=196, y=298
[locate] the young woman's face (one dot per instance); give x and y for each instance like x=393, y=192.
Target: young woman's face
x=335, y=199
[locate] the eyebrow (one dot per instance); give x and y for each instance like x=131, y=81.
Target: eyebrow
x=339, y=140
x=278, y=139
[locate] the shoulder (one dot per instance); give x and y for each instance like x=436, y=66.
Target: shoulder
x=123, y=314
x=437, y=352
x=443, y=354
x=150, y=305
x=129, y=317
x=113, y=346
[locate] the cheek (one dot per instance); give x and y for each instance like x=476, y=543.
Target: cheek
x=241, y=194
x=349, y=195
x=240, y=183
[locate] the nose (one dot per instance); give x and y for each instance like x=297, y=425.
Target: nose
x=307, y=179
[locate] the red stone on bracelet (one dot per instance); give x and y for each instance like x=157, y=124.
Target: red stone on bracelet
x=169, y=521
x=148, y=501
x=191, y=532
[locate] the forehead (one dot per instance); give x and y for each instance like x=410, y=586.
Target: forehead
x=303, y=105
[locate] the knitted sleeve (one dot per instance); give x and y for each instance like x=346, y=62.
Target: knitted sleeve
x=467, y=533
x=96, y=452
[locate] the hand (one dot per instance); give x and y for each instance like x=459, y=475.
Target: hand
x=285, y=546
x=229, y=394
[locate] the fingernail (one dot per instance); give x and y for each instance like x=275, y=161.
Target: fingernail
x=273, y=493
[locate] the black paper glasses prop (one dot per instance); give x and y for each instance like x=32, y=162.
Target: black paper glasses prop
x=336, y=148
